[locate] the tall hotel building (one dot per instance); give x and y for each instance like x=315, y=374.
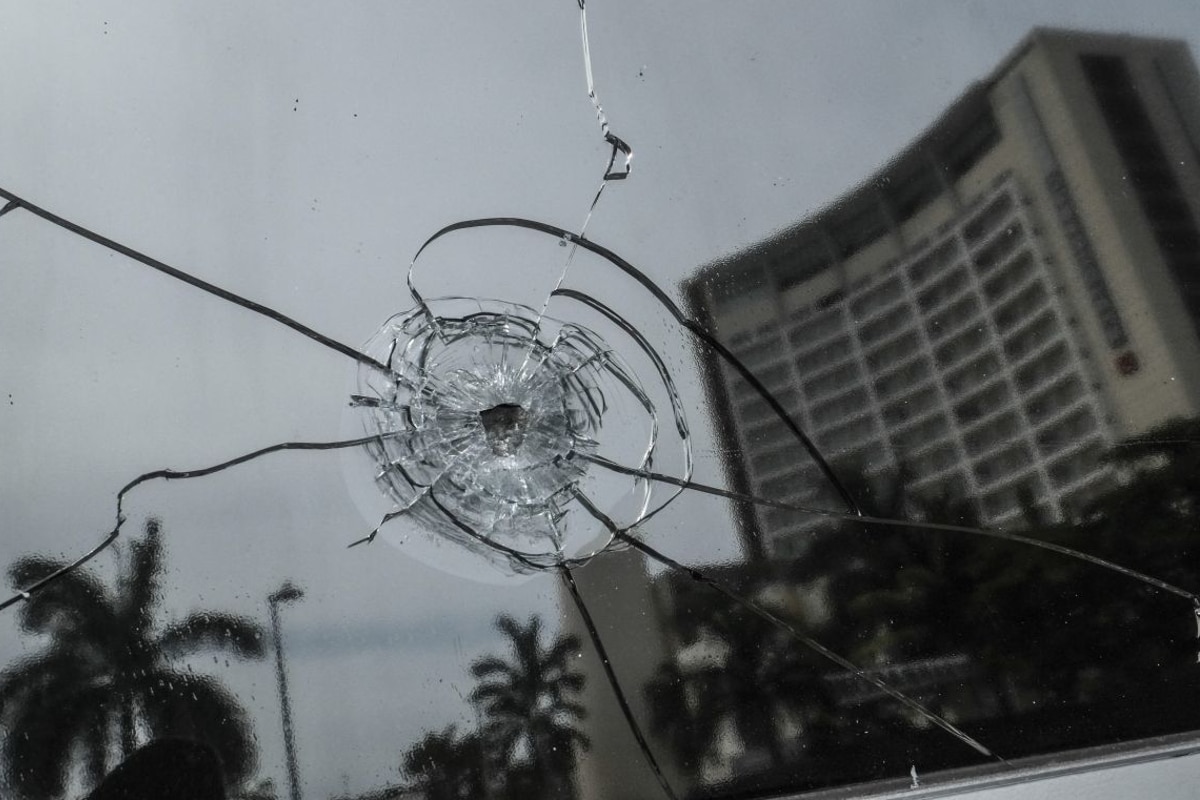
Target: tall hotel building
x=1014, y=292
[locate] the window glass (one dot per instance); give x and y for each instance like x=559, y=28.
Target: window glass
x=597, y=401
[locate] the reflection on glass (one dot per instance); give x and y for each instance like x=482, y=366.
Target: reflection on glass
x=109, y=679
x=909, y=488
x=966, y=354
x=530, y=714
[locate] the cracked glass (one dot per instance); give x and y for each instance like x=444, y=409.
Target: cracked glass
x=385, y=415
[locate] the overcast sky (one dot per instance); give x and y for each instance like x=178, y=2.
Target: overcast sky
x=298, y=154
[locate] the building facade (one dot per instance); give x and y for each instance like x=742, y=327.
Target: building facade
x=1014, y=292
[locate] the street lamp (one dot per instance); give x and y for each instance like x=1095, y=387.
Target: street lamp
x=287, y=593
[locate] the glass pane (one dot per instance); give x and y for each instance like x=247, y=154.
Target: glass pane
x=379, y=423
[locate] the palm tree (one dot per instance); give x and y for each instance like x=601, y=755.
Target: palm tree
x=105, y=683
x=682, y=711
x=924, y=605
x=748, y=672
x=852, y=560
x=447, y=766
x=529, y=707
x=1149, y=521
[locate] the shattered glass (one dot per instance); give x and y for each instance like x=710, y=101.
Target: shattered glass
x=650, y=489
x=486, y=421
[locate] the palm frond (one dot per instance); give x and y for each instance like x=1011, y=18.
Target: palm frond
x=491, y=665
x=204, y=630
x=433, y=756
x=49, y=672
x=197, y=707
x=571, y=682
x=76, y=601
x=564, y=651
x=508, y=625
x=102, y=663
x=38, y=758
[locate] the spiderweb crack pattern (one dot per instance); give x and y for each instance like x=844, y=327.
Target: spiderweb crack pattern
x=475, y=415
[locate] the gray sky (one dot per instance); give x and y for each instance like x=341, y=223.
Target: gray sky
x=298, y=154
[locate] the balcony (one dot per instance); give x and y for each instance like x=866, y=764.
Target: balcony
x=939, y=259
x=962, y=346
x=946, y=289
x=876, y=299
x=983, y=403
x=992, y=217
x=817, y=329
x=904, y=377
x=1050, y=363
x=832, y=381
x=1033, y=334
x=969, y=377
x=999, y=248
x=901, y=348
x=912, y=407
x=838, y=407
x=1016, y=274
x=952, y=319
x=1071, y=428
x=991, y=434
x=1079, y=463
x=889, y=324
x=1024, y=305
x=1012, y=459
x=1054, y=400
x=915, y=438
x=833, y=352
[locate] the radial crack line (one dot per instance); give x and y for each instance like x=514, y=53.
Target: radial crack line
x=631, y=331
x=990, y=533
x=610, y=673
x=424, y=490
x=617, y=144
x=170, y=474
x=388, y=517
x=782, y=624
x=191, y=280
x=516, y=555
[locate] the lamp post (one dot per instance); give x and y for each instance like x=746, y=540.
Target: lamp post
x=287, y=593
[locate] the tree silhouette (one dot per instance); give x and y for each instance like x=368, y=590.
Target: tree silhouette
x=1152, y=517
x=1149, y=521
x=922, y=606
x=850, y=563
x=105, y=683
x=747, y=673
x=746, y=685
x=1008, y=640
x=684, y=711
x=530, y=709
x=447, y=766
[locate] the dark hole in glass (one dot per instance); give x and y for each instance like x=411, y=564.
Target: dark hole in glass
x=504, y=425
